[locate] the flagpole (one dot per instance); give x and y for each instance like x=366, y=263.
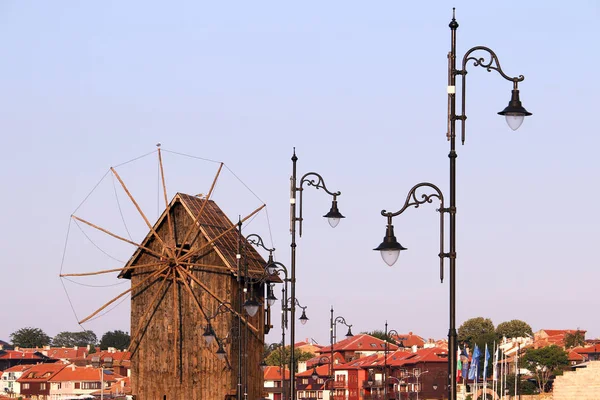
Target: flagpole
x=502, y=378
x=485, y=364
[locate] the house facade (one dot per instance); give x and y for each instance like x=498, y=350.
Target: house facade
x=8, y=380
x=74, y=381
x=276, y=383
x=35, y=382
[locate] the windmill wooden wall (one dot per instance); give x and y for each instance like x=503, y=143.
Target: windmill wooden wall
x=170, y=357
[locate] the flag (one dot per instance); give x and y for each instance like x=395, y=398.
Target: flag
x=485, y=361
x=458, y=365
x=465, y=362
x=495, y=369
x=474, y=361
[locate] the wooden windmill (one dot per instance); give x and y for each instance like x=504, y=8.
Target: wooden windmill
x=192, y=261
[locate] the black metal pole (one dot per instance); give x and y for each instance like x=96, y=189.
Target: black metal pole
x=293, y=221
x=385, y=353
x=452, y=349
x=282, y=349
x=518, y=370
x=331, y=323
x=240, y=310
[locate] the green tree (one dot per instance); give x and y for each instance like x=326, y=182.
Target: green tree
x=117, y=339
x=30, y=337
x=474, y=329
x=72, y=339
x=544, y=362
x=574, y=339
x=380, y=335
x=513, y=328
x=283, y=354
x=478, y=331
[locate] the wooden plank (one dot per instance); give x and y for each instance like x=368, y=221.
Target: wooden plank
x=106, y=271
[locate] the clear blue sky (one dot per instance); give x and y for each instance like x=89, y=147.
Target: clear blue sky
x=360, y=89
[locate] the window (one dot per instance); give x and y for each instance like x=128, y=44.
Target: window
x=25, y=386
x=90, y=385
x=320, y=394
x=77, y=385
x=43, y=386
x=305, y=381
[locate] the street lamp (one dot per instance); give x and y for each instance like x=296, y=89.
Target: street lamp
x=333, y=216
x=333, y=321
x=397, y=390
x=390, y=248
x=417, y=374
x=385, y=356
x=97, y=362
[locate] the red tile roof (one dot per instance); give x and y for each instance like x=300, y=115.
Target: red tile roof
x=41, y=372
x=320, y=360
x=273, y=373
x=81, y=374
x=554, y=332
x=116, y=355
x=586, y=350
x=409, y=340
x=575, y=356
x=361, y=362
x=20, y=355
x=360, y=342
x=322, y=370
x=64, y=352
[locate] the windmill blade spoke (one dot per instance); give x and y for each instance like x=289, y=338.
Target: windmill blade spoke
x=176, y=338
x=197, y=218
x=139, y=246
x=123, y=294
x=106, y=271
x=152, y=230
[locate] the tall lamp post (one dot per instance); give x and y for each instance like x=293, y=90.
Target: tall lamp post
x=315, y=375
x=514, y=113
x=333, y=216
x=385, y=356
x=333, y=321
x=97, y=362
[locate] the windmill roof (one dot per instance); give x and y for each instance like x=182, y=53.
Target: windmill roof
x=215, y=226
